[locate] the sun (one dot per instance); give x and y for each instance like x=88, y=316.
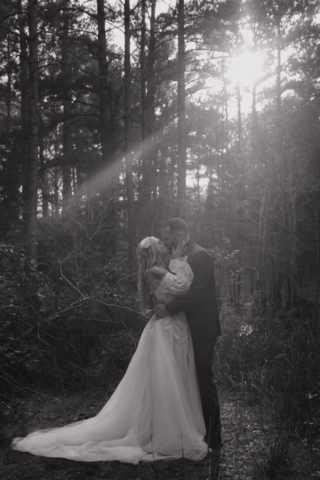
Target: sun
x=246, y=68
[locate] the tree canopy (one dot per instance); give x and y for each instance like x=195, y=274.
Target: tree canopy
x=209, y=110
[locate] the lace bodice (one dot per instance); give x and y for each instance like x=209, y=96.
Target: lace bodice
x=165, y=288
x=176, y=282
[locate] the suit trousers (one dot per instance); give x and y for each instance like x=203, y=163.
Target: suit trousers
x=203, y=356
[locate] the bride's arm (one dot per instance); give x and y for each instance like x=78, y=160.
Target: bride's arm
x=179, y=277
x=155, y=277
x=177, y=282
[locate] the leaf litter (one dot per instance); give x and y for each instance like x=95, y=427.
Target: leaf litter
x=253, y=450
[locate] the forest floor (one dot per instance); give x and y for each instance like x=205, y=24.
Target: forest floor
x=252, y=449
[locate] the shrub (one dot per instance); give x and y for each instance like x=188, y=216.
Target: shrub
x=275, y=359
x=62, y=323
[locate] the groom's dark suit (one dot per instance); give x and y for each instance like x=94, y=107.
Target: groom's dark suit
x=200, y=307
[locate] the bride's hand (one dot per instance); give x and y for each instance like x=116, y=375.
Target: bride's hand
x=178, y=252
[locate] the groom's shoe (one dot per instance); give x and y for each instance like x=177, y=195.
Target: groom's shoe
x=214, y=464
x=213, y=460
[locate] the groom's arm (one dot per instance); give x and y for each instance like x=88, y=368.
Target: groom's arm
x=202, y=267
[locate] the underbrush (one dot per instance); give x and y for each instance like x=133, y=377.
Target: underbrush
x=71, y=324
x=273, y=362
x=63, y=328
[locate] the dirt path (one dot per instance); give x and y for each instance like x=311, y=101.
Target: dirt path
x=250, y=450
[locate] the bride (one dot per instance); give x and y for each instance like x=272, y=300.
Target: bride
x=155, y=412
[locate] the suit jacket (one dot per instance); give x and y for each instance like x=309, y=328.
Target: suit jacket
x=200, y=302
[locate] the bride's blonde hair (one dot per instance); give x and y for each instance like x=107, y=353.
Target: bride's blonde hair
x=148, y=255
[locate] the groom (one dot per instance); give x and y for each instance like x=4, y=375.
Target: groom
x=200, y=307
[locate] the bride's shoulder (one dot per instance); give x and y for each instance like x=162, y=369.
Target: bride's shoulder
x=157, y=272
x=155, y=276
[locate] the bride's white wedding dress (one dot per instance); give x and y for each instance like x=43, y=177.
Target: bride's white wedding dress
x=155, y=412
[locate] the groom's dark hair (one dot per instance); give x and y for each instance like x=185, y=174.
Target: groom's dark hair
x=176, y=224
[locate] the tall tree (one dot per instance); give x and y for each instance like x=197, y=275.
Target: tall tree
x=182, y=148
x=103, y=75
x=32, y=182
x=105, y=90
x=24, y=110
x=127, y=138
x=148, y=134
x=67, y=105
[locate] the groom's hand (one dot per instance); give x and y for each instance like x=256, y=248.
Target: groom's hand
x=160, y=311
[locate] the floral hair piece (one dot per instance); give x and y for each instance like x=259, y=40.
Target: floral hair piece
x=148, y=241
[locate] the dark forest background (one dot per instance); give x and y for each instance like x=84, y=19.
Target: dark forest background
x=101, y=142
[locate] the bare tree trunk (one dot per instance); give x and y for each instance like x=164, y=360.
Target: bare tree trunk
x=239, y=118
x=240, y=159
x=224, y=129
x=260, y=284
x=163, y=183
x=182, y=149
x=144, y=184
x=254, y=120
x=127, y=138
x=56, y=193
x=105, y=121
x=31, y=200
x=296, y=294
x=148, y=90
x=279, y=71
x=103, y=74
x=43, y=174
x=10, y=180
x=66, y=134
x=9, y=87
x=151, y=85
x=143, y=73
x=151, y=119
x=24, y=137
